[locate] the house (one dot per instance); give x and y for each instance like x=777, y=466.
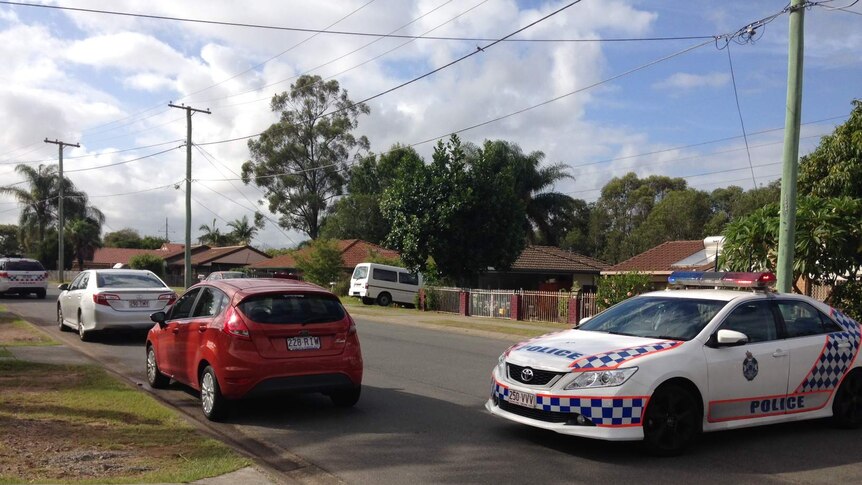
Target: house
x=353, y=252
x=662, y=260
x=545, y=268
x=205, y=259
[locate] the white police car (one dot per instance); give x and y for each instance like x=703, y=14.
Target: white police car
x=22, y=276
x=665, y=366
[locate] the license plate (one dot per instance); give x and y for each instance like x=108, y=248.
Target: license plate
x=303, y=343
x=139, y=303
x=525, y=399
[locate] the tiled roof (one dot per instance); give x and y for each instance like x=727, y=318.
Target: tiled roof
x=111, y=256
x=662, y=257
x=353, y=252
x=214, y=253
x=553, y=258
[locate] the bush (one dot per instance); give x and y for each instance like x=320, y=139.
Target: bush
x=150, y=262
x=616, y=288
x=322, y=264
x=342, y=286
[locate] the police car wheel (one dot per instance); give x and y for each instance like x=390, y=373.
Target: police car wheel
x=847, y=406
x=671, y=422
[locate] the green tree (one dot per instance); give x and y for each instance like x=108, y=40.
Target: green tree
x=153, y=242
x=357, y=215
x=681, y=215
x=47, y=250
x=212, y=235
x=83, y=234
x=242, y=231
x=624, y=204
x=728, y=203
x=40, y=203
x=834, y=168
x=124, y=238
x=9, y=244
x=577, y=228
x=613, y=289
x=321, y=263
x=462, y=210
x=828, y=240
x=148, y=261
x=300, y=160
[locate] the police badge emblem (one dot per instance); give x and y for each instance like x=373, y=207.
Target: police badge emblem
x=749, y=367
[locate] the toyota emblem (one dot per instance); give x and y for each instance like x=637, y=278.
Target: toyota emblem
x=527, y=374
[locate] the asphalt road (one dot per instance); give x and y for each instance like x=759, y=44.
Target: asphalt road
x=421, y=419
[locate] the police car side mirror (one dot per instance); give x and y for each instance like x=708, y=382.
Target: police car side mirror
x=727, y=338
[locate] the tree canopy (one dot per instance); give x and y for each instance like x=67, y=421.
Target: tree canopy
x=300, y=161
x=834, y=168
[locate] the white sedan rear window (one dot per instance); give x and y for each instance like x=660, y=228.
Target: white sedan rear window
x=104, y=280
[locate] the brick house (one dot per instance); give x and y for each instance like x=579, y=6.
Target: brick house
x=662, y=260
x=353, y=252
x=545, y=268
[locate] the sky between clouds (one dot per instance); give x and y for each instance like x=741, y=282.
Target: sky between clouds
x=105, y=81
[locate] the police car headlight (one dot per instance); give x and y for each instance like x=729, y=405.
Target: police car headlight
x=501, y=363
x=602, y=378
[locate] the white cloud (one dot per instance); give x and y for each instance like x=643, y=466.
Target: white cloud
x=687, y=81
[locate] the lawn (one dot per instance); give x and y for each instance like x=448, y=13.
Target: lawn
x=16, y=332
x=77, y=424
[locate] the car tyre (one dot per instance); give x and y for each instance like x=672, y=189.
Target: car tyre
x=367, y=301
x=346, y=399
x=62, y=326
x=40, y=294
x=672, y=421
x=155, y=378
x=84, y=335
x=384, y=299
x=847, y=405
x=213, y=404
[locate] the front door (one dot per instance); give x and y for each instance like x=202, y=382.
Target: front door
x=750, y=380
x=190, y=336
x=169, y=354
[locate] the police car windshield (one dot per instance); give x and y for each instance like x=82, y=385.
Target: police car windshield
x=656, y=317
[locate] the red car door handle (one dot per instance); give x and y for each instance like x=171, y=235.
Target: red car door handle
x=202, y=328
x=175, y=330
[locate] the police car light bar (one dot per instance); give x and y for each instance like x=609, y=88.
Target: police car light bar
x=724, y=279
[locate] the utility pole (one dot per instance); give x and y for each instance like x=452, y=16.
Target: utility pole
x=60, y=220
x=166, y=230
x=187, y=280
x=789, y=171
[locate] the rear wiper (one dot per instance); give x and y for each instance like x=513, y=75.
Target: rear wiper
x=317, y=320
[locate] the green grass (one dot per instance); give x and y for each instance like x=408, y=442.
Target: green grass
x=4, y=352
x=15, y=332
x=59, y=413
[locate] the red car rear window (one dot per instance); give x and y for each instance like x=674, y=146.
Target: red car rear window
x=296, y=308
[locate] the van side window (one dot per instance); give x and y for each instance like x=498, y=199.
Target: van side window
x=385, y=275
x=408, y=279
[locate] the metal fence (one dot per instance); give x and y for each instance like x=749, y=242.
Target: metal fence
x=545, y=306
x=587, y=305
x=491, y=303
x=439, y=299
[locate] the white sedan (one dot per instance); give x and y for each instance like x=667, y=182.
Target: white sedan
x=664, y=366
x=120, y=299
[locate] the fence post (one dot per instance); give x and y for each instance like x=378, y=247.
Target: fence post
x=574, y=309
x=464, y=303
x=515, y=307
x=422, y=300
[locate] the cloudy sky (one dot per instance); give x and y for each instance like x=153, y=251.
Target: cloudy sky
x=105, y=81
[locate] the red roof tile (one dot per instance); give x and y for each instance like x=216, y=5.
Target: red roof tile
x=662, y=257
x=111, y=256
x=353, y=252
x=553, y=258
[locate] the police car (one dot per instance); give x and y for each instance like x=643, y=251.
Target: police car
x=22, y=276
x=664, y=366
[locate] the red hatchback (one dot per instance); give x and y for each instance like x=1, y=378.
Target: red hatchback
x=238, y=338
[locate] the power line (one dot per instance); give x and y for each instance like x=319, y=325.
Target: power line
x=93, y=155
x=739, y=111
x=123, y=162
x=342, y=32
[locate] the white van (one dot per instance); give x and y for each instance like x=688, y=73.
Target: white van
x=384, y=284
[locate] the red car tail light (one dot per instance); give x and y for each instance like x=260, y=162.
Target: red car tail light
x=102, y=298
x=4, y=274
x=234, y=324
x=352, y=328
x=171, y=297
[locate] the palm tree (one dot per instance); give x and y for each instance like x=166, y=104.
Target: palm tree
x=534, y=184
x=211, y=235
x=243, y=232
x=85, y=239
x=39, y=195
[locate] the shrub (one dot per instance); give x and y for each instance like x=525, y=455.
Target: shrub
x=616, y=288
x=150, y=262
x=847, y=297
x=321, y=264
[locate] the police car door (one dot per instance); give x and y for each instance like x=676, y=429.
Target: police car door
x=748, y=380
x=821, y=351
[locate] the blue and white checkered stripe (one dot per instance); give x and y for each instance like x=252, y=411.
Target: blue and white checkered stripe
x=27, y=278
x=613, y=359
x=833, y=361
x=602, y=411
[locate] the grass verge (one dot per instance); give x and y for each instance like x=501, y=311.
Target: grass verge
x=521, y=331
x=77, y=424
x=15, y=332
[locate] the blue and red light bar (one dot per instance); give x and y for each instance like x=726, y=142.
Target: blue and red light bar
x=724, y=279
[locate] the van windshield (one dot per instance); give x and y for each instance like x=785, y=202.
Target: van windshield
x=360, y=272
